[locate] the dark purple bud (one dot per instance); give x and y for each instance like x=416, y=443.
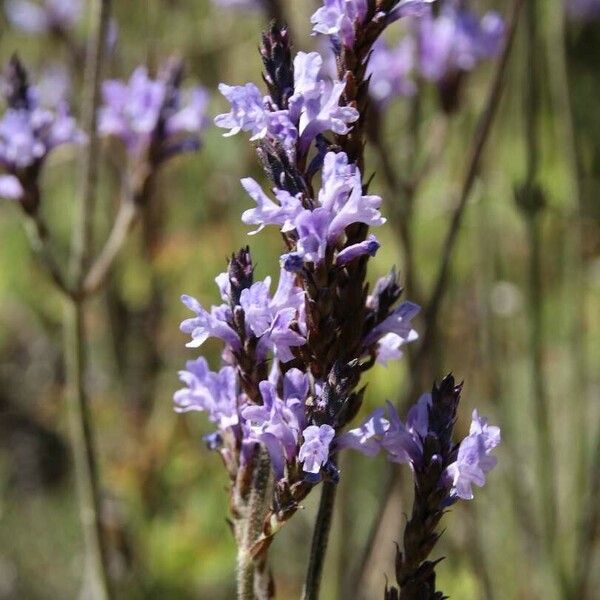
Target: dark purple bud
x=385, y=294
x=241, y=274
x=276, y=55
x=292, y=262
x=213, y=441
x=16, y=85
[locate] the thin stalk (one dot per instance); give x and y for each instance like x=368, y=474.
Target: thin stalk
x=562, y=89
x=86, y=471
x=84, y=454
x=319, y=542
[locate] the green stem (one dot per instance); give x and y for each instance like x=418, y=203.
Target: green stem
x=84, y=454
x=319, y=542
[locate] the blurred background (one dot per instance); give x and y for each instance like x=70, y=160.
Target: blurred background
x=520, y=324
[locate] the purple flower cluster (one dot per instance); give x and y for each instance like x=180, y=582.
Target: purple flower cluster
x=293, y=360
x=29, y=131
x=312, y=109
x=438, y=48
x=457, y=40
x=45, y=17
x=340, y=19
x=404, y=443
x=153, y=115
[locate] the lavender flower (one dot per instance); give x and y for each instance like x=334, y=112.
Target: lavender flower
x=28, y=133
x=583, y=9
x=456, y=41
x=341, y=203
x=153, y=115
x=314, y=452
x=44, y=17
x=214, y=393
x=339, y=18
x=474, y=460
x=390, y=69
x=270, y=320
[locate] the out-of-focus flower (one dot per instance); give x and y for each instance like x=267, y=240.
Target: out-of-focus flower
x=583, y=9
x=29, y=132
x=43, y=17
x=244, y=4
x=390, y=69
x=457, y=40
x=153, y=115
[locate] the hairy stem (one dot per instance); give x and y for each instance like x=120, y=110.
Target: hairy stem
x=320, y=539
x=249, y=529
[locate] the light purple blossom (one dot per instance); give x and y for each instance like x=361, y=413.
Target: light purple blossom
x=268, y=318
x=249, y=112
x=457, y=40
x=341, y=203
x=314, y=452
x=474, y=460
x=134, y=110
x=398, y=322
x=46, y=16
x=367, y=437
x=10, y=187
x=370, y=246
x=338, y=18
x=278, y=422
x=214, y=393
x=390, y=69
x=388, y=347
x=28, y=135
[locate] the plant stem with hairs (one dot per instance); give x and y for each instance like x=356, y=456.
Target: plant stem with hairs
x=84, y=449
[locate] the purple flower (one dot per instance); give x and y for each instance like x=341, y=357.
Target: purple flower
x=338, y=18
x=28, y=135
x=271, y=320
x=215, y=323
x=367, y=437
x=143, y=109
x=324, y=113
x=10, y=187
x=214, y=393
x=390, y=70
x=314, y=452
x=268, y=212
x=47, y=16
x=278, y=422
x=388, y=347
x=474, y=461
x=398, y=322
x=350, y=253
x=457, y=40
x=583, y=9
x=409, y=8
x=249, y=112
